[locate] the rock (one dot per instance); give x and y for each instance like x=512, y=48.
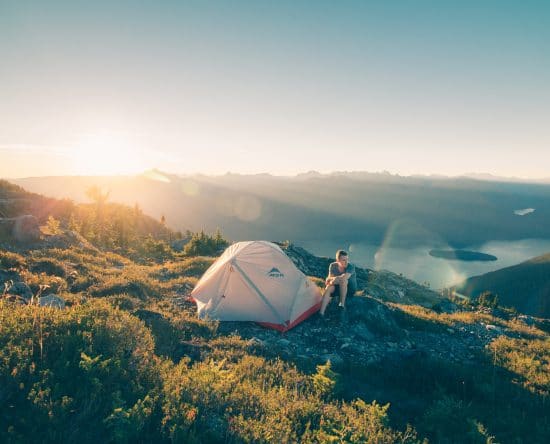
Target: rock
x=375, y=314
x=21, y=289
x=255, y=342
x=51, y=300
x=494, y=328
x=22, y=228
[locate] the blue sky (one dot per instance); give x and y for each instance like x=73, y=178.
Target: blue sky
x=280, y=87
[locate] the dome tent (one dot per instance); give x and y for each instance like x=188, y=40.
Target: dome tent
x=256, y=281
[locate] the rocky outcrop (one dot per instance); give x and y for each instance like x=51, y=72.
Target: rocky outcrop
x=20, y=229
x=381, y=284
x=20, y=289
x=368, y=332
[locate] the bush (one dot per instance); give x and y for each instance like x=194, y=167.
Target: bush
x=140, y=288
x=12, y=260
x=202, y=244
x=254, y=400
x=487, y=299
x=85, y=374
x=52, y=267
x=155, y=249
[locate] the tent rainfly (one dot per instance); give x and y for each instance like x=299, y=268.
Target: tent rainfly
x=256, y=281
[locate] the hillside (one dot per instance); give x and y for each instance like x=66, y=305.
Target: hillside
x=110, y=225
x=525, y=286
x=127, y=360
x=361, y=206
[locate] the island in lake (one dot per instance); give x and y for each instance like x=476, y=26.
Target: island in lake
x=462, y=255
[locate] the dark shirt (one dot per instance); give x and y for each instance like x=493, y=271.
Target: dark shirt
x=334, y=270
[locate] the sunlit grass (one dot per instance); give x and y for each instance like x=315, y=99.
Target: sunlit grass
x=469, y=318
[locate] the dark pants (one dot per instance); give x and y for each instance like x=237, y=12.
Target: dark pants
x=352, y=288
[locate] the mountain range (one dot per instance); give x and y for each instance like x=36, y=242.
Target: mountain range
x=355, y=207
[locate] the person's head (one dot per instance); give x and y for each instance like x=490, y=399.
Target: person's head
x=342, y=256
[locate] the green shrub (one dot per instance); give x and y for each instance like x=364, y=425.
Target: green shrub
x=254, y=400
x=12, y=260
x=155, y=249
x=487, y=299
x=196, y=266
x=85, y=374
x=52, y=267
x=140, y=288
x=43, y=282
x=202, y=244
x=326, y=381
x=530, y=360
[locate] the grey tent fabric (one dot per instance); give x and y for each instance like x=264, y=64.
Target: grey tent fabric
x=256, y=281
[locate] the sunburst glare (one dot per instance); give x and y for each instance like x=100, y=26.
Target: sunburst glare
x=107, y=153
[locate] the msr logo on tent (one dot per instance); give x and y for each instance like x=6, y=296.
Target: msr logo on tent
x=275, y=273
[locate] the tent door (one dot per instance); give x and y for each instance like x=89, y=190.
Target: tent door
x=259, y=293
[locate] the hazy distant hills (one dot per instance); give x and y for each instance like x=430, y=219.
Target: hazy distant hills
x=525, y=286
x=342, y=206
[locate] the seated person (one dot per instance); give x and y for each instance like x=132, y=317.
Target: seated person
x=341, y=281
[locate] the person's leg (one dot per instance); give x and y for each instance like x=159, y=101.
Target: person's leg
x=343, y=293
x=326, y=299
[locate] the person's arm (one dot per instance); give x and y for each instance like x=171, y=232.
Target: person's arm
x=331, y=277
x=332, y=270
x=350, y=269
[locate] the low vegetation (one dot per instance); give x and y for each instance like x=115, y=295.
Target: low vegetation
x=129, y=361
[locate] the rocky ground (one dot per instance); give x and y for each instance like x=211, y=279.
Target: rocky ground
x=367, y=332
x=380, y=284
x=371, y=330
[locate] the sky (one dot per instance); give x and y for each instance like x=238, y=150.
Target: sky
x=282, y=87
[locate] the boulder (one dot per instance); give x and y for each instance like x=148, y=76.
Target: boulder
x=375, y=314
x=21, y=289
x=51, y=300
x=21, y=229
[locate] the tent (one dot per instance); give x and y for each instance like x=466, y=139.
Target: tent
x=256, y=281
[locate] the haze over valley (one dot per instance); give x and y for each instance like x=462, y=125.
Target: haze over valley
x=388, y=221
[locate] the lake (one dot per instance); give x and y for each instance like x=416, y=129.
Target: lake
x=417, y=264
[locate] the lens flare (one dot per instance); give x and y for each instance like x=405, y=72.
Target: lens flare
x=414, y=262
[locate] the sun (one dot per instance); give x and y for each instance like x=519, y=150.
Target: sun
x=106, y=153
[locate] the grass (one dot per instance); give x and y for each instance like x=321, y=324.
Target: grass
x=191, y=383
x=424, y=318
